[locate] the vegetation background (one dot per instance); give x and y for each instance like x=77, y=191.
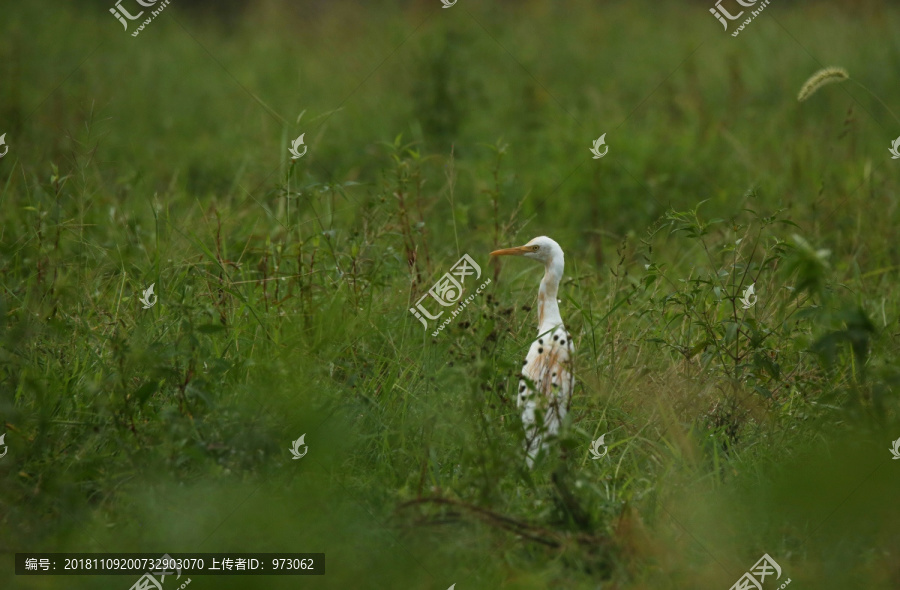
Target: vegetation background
x=284, y=290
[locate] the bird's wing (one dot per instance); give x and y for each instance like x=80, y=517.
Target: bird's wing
x=547, y=370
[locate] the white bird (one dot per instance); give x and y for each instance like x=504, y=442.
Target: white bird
x=546, y=384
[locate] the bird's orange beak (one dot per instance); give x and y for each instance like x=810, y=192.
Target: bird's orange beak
x=517, y=251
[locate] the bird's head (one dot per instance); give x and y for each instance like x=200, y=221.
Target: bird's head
x=545, y=250
x=542, y=249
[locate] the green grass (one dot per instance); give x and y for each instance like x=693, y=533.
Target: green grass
x=284, y=291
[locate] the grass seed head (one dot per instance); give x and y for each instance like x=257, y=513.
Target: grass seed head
x=821, y=78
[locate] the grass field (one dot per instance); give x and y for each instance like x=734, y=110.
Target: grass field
x=284, y=290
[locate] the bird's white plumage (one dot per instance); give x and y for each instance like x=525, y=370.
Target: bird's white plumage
x=546, y=382
x=545, y=388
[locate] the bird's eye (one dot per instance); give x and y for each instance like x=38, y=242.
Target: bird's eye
x=535, y=248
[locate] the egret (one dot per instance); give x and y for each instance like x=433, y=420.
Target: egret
x=546, y=382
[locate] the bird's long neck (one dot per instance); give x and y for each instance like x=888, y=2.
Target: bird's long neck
x=548, y=307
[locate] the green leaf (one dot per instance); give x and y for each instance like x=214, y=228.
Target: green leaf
x=763, y=361
x=700, y=346
x=731, y=329
x=763, y=391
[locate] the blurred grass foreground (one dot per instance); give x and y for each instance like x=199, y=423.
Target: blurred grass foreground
x=282, y=289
